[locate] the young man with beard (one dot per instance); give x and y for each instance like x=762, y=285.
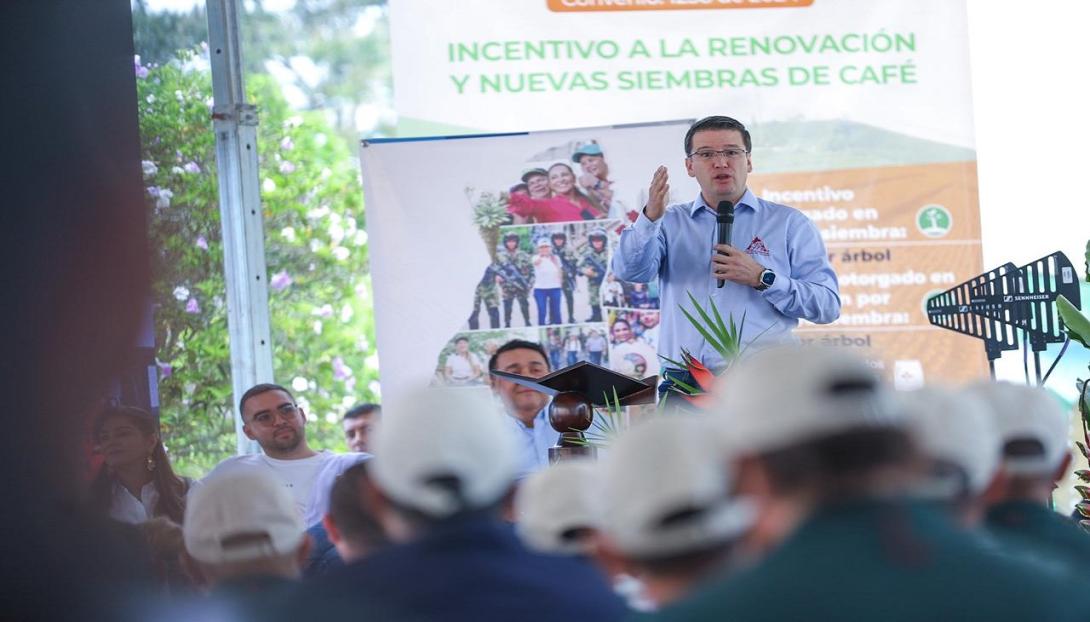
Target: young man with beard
x=271, y=417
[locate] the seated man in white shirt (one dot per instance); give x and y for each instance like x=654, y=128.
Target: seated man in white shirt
x=272, y=418
x=525, y=406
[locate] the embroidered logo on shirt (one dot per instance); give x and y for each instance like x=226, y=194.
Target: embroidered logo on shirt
x=757, y=247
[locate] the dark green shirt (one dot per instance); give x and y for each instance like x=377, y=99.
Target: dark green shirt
x=883, y=561
x=1037, y=532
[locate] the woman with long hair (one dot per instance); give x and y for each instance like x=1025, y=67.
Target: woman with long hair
x=137, y=485
x=567, y=203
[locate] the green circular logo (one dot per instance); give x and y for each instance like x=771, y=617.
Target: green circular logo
x=934, y=220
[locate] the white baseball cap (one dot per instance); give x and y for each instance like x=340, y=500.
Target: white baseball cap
x=1031, y=424
x=787, y=395
x=239, y=517
x=666, y=489
x=444, y=435
x=952, y=428
x=555, y=504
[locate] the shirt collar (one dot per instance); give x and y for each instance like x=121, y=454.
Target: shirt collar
x=748, y=200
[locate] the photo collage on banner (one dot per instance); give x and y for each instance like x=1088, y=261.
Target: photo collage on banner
x=550, y=236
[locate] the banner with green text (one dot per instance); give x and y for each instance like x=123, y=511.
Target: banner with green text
x=860, y=112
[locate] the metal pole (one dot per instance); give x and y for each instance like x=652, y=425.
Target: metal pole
x=235, y=124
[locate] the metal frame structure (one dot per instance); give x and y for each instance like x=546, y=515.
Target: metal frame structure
x=235, y=125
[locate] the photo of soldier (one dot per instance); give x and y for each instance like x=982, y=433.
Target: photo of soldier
x=516, y=277
x=595, y=259
x=570, y=268
x=488, y=294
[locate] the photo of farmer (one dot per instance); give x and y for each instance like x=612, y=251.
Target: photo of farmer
x=462, y=366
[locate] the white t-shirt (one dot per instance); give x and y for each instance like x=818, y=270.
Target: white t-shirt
x=297, y=476
x=463, y=368
x=128, y=509
x=546, y=272
x=323, y=484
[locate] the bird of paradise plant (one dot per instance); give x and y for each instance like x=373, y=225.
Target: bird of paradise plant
x=723, y=336
x=1078, y=329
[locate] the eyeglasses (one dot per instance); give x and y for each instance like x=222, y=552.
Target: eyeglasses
x=708, y=155
x=286, y=410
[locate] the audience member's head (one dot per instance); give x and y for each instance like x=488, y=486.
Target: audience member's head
x=669, y=513
x=959, y=449
x=271, y=417
x=1033, y=430
x=132, y=452
x=526, y=358
x=358, y=423
x=557, y=508
x=441, y=455
x=350, y=521
x=812, y=425
x=243, y=525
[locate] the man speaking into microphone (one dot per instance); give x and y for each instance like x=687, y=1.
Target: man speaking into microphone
x=774, y=266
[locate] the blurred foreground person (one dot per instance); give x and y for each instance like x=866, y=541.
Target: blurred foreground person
x=350, y=523
x=557, y=509
x=558, y=512
x=830, y=457
x=137, y=485
x=669, y=516
x=958, y=446
x=1034, y=432
x=444, y=467
x=247, y=539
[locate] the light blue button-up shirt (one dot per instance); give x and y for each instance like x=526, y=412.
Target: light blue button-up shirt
x=534, y=443
x=677, y=249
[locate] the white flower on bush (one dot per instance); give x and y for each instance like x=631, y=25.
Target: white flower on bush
x=325, y=310
x=149, y=168
x=181, y=293
x=192, y=167
x=361, y=238
x=341, y=253
x=299, y=383
x=375, y=388
x=331, y=417
x=177, y=170
x=286, y=143
x=288, y=233
x=346, y=313
x=164, y=198
x=336, y=233
x=318, y=212
x=317, y=327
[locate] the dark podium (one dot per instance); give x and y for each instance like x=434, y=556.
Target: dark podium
x=576, y=391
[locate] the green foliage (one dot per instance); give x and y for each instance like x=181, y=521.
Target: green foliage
x=320, y=314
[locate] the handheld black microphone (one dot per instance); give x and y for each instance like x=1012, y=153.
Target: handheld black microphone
x=724, y=219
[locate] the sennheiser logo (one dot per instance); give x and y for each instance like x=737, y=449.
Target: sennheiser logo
x=1008, y=298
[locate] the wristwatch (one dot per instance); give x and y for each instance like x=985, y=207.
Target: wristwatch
x=768, y=277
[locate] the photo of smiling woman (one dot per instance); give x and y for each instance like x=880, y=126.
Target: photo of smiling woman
x=567, y=202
